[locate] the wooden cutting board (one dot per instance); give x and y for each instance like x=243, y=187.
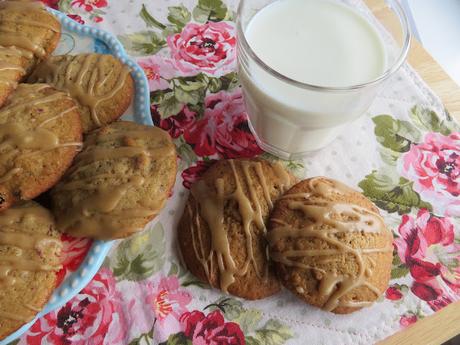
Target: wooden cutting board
x=445, y=324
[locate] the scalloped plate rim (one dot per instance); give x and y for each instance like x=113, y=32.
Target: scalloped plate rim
x=96, y=255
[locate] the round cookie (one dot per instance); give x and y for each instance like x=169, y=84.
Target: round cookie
x=222, y=231
x=40, y=133
x=118, y=183
x=330, y=245
x=29, y=259
x=101, y=84
x=28, y=33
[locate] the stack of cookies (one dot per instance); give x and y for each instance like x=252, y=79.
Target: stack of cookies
x=58, y=132
x=250, y=227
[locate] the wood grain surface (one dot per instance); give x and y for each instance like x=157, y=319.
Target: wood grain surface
x=445, y=324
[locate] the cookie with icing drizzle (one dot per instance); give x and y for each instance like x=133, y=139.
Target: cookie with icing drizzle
x=222, y=231
x=30, y=248
x=101, y=84
x=40, y=134
x=118, y=183
x=330, y=245
x=28, y=34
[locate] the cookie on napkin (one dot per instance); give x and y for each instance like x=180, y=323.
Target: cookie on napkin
x=330, y=245
x=222, y=231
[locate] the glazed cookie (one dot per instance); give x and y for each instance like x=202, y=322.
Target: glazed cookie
x=101, y=84
x=330, y=245
x=40, y=133
x=222, y=231
x=118, y=183
x=29, y=259
x=28, y=33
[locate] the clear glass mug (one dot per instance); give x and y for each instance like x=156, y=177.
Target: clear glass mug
x=307, y=117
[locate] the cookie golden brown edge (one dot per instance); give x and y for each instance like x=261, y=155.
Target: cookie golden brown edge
x=40, y=134
x=30, y=250
x=101, y=84
x=28, y=34
x=118, y=183
x=222, y=231
x=330, y=245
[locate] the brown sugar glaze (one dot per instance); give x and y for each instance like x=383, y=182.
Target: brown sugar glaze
x=11, y=236
x=318, y=207
x=211, y=202
x=18, y=141
x=97, y=216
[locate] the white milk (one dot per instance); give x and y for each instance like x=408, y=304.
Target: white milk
x=319, y=42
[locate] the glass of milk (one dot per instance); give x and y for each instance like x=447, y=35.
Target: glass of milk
x=310, y=67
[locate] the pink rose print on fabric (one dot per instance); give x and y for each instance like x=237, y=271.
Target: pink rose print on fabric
x=158, y=70
x=89, y=5
x=169, y=302
x=193, y=173
x=77, y=18
x=92, y=317
x=74, y=251
x=223, y=129
x=393, y=293
x=427, y=246
x=175, y=125
x=209, y=47
x=51, y=3
x=211, y=329
x=434, y=166
x=407, y=320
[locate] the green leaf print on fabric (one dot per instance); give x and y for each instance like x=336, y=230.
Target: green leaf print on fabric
x=65, y=6
x=210, y=10
x=391, y=194
x=229, y=81
x=179, y=16
x=393, y=134
x=149, y=20
x=169, y=106
x=248, y=319
x=297, y=168
x=231, y=307
x=142, y=43
x=185, y=152
x=272, y=333
x=140, y=256
x=177, y=339
x=399, y=269
x=389, y=157
x=189, y=90
x=430, y=121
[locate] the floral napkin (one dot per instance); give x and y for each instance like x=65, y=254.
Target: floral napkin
x=404, y=155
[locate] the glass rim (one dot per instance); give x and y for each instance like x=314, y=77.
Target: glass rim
x=395, y=6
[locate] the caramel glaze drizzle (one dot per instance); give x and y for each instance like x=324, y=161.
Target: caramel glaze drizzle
x=20, y=241
x=17, y=137
x=69, y=75
x=210, y=206
x=318, y=207
x=10, y=37
x=7, y=66
x=97, y=215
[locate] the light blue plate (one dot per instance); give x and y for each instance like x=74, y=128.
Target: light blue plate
x=76, y=39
